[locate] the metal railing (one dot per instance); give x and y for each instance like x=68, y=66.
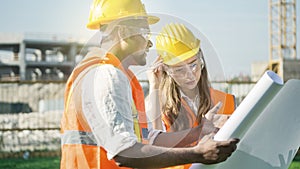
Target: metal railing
x=30, y=114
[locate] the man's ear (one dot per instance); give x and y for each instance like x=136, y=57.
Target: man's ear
x=122, y=32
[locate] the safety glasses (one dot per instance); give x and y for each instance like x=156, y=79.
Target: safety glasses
x=181, y=71
x=134, y=31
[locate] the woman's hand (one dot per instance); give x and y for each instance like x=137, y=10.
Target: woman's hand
x=155, y=73
x=212, y=122
x=218, y=120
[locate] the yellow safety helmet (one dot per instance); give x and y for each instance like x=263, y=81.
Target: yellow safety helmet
x=176, y=43
x=105, y=11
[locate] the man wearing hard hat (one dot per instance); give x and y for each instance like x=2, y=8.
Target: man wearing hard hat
x=104, y=123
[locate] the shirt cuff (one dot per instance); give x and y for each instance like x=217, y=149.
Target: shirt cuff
x=153, y=133
x=111, y=155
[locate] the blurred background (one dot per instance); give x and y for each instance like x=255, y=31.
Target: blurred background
x=41, y=42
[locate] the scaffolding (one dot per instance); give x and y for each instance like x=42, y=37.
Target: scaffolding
x=282, y=46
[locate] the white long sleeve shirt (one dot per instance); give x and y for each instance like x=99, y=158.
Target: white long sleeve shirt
x=106, y=104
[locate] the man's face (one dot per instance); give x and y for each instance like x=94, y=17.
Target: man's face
x=136, y=35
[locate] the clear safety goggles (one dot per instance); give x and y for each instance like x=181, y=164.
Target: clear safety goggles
x=181, y=71
x=134, y=31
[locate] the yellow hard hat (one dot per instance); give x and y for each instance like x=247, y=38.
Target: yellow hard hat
x=105, y=11
x=176, y=43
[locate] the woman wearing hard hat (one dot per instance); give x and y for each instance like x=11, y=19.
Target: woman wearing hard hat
x=103, y=124
x=180, y=80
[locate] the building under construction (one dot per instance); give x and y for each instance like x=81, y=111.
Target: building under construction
x=26, y=59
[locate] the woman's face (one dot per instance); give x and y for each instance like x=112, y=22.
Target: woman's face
x=187, y=73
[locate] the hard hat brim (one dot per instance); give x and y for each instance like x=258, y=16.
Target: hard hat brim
x=95, y=25
x=182, y=57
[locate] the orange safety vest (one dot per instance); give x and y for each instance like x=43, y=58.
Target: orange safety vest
x=216, y=96
x=79, y=147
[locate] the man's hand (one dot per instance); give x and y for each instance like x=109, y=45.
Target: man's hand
x=213, y=152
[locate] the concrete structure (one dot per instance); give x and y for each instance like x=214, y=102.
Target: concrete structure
x=290, y=67
x=27, y=59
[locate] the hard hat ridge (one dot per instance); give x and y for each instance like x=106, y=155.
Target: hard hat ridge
x=176, y=43
x=104, y=11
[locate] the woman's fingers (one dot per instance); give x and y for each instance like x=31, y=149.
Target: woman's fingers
x=212, y=112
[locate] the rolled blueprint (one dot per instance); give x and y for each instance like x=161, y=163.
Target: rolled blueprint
x=272, y=139
x=251, y=107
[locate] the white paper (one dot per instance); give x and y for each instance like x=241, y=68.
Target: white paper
x=272, y=141
x=250, y=108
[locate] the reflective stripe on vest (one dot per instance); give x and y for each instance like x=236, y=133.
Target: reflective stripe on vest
x=78, y=137
x=136, y=125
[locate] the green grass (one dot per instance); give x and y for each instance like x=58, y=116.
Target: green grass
x=31, y=163
x=296, y=163
x=53, y=163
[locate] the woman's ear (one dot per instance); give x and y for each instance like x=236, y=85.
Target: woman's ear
x=202, y=63
x=165, y=68
x=167, y=72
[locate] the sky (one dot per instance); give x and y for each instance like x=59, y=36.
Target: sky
x=238, y=29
